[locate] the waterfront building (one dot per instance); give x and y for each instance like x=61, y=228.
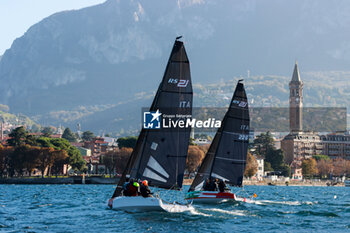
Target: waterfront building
x=301, y=145
x=84, y=151
x=260, y=172
x=298, y=145
x=336, y=145
x=97, y=145
x=296, y=170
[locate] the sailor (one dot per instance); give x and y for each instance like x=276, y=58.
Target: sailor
x=144, y=189
x=134, y=188
x=131, y=188
x=213, y=185
x=222, y=186
x=206, y=185
x=125, y=189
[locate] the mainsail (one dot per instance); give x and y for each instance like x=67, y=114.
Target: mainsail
x=160, y=154
x=226, y=157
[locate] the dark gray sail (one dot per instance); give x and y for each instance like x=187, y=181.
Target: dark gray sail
x=160, y=154
x=226, y=157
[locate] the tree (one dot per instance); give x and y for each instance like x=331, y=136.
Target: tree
x=321, y=157
x=44, y=159
x=123, y=156
x=69, y=135
x=192, y=143
x=324, y=167
x=9, y=160
x=251, y=166
x=110, y=160
x=128, y=142
x=87, y=136
x=47, y=131
x=267, y=166
x=204, y=148
x=340, y=166
x=275, y=158
x=30, y=158
x=263, y=143
x=5, y=155
x=309, y=167
x=60, y=157
x=31, y=140
x=18, y=159
x=44, y=142
x=285, y=170
x=194, y=158
x=2, y=160
x=17, y=137
x=74, y=157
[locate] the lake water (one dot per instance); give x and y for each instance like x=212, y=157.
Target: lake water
x=82, y=208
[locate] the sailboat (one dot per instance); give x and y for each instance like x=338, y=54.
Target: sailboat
x=160, y=153
x=227, y=154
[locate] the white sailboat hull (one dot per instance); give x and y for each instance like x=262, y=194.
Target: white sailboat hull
x=141, y=204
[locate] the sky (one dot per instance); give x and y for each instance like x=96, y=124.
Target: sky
x=16, y=16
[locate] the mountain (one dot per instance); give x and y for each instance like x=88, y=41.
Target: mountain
x=100, y=64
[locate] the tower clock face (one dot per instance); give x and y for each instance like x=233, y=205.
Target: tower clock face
x=297, y=99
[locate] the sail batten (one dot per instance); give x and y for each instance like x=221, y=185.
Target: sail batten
x=160, y=154
x=227, y=154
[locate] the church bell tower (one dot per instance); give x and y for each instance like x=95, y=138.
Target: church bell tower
x=296, y=102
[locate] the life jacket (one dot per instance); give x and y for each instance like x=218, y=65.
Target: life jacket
x=132, y=190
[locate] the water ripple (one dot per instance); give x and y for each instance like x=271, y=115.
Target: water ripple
x=82, y=208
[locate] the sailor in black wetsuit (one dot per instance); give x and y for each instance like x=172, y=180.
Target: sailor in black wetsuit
x=144, y=189
x=213, y=185
x=206, y=185
x=126, y=188
x=222, y=186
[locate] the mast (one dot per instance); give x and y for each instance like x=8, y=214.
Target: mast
x=160, y=154
x=227, y=154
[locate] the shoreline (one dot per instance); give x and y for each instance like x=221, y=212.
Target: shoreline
x=325, y=183
x=114, y=181
x=65, y=180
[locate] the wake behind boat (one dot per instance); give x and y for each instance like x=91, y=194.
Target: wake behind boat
x=226, y=157
x=160, y=154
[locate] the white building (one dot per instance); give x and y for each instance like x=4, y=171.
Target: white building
x=260, y=172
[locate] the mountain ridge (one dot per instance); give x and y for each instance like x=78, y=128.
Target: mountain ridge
x=75, y=64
